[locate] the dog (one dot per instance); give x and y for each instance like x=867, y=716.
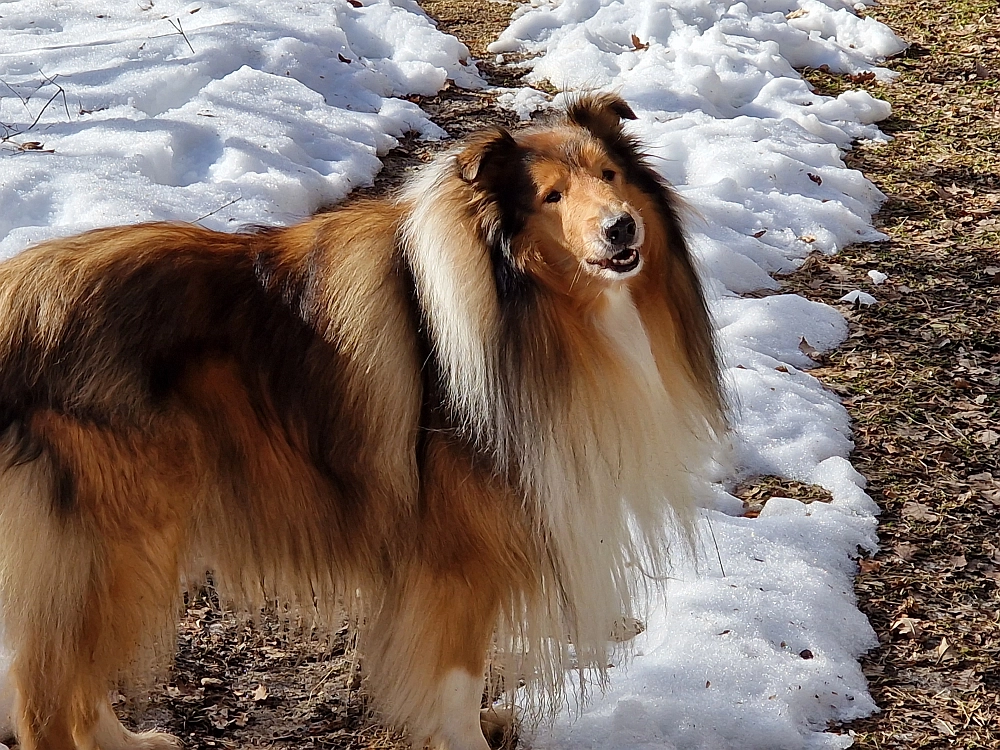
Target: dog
x=470, y=415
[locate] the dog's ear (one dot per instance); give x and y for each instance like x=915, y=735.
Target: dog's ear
x=601, y=114
x=483, y=152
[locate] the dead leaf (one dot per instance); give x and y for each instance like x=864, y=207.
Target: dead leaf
x=637, y=44
x=944, y=727
x=343, y=59
x=908, y=627
x=807, y=238
x=815, y=178
x=760, y=234
x=260, y=693
x=808, y=349
x=861, y=78
x=919, y=512
x=988, y=437
x=905, y=550
x=869, y=566
x=797, y=13
x=958, y=562
x=945, y=650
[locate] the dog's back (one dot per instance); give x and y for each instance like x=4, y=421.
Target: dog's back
x=172, y=396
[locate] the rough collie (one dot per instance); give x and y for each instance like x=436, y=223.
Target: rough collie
x=468, y=415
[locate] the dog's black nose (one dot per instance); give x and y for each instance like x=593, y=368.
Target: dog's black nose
x=622, y=231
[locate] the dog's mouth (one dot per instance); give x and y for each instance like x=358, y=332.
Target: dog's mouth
x=623, y=261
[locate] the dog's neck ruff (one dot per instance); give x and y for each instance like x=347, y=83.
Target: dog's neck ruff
x=602, y=449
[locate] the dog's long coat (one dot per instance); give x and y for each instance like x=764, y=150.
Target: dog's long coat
x=467, y=413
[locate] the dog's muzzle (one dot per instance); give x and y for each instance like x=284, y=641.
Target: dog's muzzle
x=621, y=233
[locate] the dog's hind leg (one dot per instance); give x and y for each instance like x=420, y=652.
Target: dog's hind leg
x=45, y=569
x=85, y=593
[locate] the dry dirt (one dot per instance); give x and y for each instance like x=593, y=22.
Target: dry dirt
x=920, y=375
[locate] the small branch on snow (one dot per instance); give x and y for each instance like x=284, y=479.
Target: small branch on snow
x=178, y=29
x=237, y=199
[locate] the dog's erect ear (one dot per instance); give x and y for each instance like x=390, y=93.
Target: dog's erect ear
x=491, y=147
x=601, y=114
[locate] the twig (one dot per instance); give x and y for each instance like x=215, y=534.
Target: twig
x=177, y=25
x=61, y=91
x=237, y=199
x=15, y=93
x=715, y=541
x=42, y=111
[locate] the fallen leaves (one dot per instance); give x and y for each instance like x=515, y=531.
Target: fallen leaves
x=920, y=374
x=988, y=437
x=919, y=512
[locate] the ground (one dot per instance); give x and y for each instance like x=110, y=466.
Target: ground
x=920, y=375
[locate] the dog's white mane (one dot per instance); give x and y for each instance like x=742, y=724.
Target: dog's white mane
x=608, y=466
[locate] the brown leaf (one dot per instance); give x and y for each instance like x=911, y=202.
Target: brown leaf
x=869, y=566
x=861, y=78
x=761, y=233
x=906, y=626
x=987, y=437
x=944, y=727
x=919, y=512
x=945, y=650
x=343, y=59
x=815, y=178
x=808, y=349
x=637, y=44
x=260, y=693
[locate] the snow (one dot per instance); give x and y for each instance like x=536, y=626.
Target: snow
x=224, y=111
x=758, y=649
x=877, y=277
x=858, y=297
x=245, y=112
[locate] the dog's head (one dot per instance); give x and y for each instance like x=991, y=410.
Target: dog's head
x=568, y=210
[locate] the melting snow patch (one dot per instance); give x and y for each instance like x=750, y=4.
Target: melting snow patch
x=858, y=297
x=759, y=651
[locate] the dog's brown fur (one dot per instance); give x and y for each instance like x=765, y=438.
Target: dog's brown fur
x=429, y=409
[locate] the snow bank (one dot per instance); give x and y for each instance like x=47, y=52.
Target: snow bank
x=758, y=651
x=226, y=112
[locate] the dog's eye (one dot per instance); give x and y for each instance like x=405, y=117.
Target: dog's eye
x=553, y=197
x=609, y=175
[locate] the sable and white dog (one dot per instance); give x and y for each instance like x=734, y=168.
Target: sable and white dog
x=469, y=413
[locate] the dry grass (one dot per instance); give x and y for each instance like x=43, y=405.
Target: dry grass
x=921, y=378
